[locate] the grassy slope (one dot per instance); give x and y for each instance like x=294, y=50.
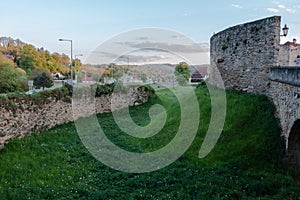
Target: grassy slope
x=245, y=163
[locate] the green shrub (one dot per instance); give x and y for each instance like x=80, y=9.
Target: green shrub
x=10, y=79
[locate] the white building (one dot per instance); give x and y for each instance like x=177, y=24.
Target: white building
x=288, y=52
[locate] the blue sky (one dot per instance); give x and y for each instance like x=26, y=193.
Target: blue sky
x=89, y=22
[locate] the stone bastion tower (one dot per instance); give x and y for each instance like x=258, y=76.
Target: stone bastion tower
x=249, y=57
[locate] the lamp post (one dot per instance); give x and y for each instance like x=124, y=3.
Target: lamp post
x=285, y=30
x=68, y=40
x=77, y=55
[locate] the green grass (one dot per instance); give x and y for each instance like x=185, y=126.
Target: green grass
x=245, y=163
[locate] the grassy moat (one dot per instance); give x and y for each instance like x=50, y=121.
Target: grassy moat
x=244, y=164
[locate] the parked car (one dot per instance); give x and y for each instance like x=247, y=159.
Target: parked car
x=31, y=92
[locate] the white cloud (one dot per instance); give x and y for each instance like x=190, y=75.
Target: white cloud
x=290, y=10
x=236, y=6
x=162, y=56
x=147, y=56
x=178, y=36
x=281, y=6
x=143, y=38
x=174, y=47
x=273, y=10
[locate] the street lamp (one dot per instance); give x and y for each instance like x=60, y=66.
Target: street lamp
x=76, y=55
x=68, y=40
x=285, y=30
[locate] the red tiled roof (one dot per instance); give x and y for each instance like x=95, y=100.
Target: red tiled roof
x=290, y=43
x=201, y=70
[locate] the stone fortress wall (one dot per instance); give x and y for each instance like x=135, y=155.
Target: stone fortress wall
x=250, y=58
x=30, y=116
x=243, y=54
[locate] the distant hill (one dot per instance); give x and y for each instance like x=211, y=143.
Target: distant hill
x=160, y=72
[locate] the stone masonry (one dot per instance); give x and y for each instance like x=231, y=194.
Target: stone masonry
x=244, y=53
x=30, y=117
x=249, y=57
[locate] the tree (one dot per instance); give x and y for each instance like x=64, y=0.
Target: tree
x=77, y=64
x=43, y=80
x=9, y=46
x=11, y=79
x=48, y=62
x=182, y=73
x=29, y=58
x=61, y=63
x=114, y=71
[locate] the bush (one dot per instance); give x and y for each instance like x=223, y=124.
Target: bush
x=10, y=79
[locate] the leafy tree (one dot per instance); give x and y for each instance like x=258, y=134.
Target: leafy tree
x=107, y=72
x=114, y=71
x=182, y=73
x=11, y=79
x=10, y=46
x=61, y=62
x=29, y=58
x=43, y=80
x=48, y=62
x=77, y=64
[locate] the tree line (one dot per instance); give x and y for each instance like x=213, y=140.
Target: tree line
x=20, y=62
